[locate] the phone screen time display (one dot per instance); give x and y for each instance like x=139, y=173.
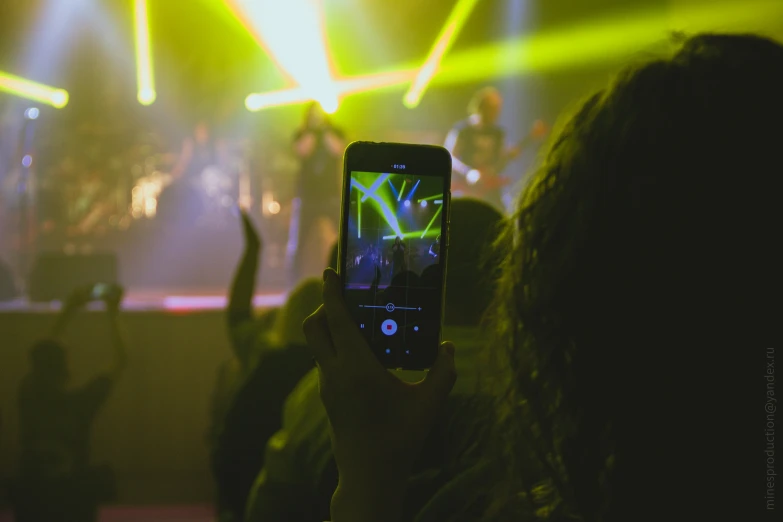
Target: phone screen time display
x=393, y=272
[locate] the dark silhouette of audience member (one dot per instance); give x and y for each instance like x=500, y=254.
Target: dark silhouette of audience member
x=56, y=479
x=246, y=332
x=271, y=356
x=300, y=475
x=248, y=341
x=244, y=329
x=256, y=411
x=633, y=301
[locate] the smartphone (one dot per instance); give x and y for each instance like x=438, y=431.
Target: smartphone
x=393, y=248
x=99, y=291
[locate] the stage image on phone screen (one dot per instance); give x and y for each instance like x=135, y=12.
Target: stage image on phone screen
x=393, y=273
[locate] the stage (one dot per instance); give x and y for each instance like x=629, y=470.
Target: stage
x=172, y=513
x=171, y=300
x=153, y=428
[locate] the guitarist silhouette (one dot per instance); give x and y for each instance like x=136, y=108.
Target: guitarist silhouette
x=478, y=150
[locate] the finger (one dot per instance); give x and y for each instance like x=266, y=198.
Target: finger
x=345, y=335
x=442, y=376
x=319, y=340
x=247, y=223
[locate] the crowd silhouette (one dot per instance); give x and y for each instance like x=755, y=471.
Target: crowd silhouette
x=580, y=378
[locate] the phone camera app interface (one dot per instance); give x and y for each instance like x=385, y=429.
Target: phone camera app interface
x=393, y=274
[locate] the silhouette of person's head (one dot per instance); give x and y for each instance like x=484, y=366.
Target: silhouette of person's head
x=201, y=133
x=473, y=261
x=486, y=104
x=397, y=240
x=49, y=364
x=642, y=243
x=431, y=276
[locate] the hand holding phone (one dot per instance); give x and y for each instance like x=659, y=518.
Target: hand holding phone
x=395, y=206
x=365, y=403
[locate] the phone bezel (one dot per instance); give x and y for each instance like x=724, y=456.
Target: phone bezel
x=418, y=159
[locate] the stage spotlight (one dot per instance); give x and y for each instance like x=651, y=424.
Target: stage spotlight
x=273, y=207
x=407, y=203
x=424, y=204
x=146, y=96
x=59, y=98
x=473, y=176
x=31, y=113
x=329, y=104
x=253, y=102
x=27, y=161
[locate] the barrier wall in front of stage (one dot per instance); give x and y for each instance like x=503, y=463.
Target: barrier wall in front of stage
x=153, y=428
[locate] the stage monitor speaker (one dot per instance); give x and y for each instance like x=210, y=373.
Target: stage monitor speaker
x=55, y=274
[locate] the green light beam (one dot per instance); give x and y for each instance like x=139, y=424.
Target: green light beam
x=416, y=234
x=386, y=211
x=432, y=221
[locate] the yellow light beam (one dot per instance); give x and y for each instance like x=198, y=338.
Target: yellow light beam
x=30, y=90
x=345, y=87
x=603, y=40
x=235, y=10
x=292, y=96
x=293, y=32
x=594, y=41
x=459, y=15
x=145, y=81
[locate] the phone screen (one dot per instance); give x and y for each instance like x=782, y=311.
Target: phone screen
x=99, y=291
x=394, y=262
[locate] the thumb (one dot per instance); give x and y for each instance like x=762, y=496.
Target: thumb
x=442, y=376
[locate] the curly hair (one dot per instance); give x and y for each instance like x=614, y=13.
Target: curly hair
x=629, y=215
